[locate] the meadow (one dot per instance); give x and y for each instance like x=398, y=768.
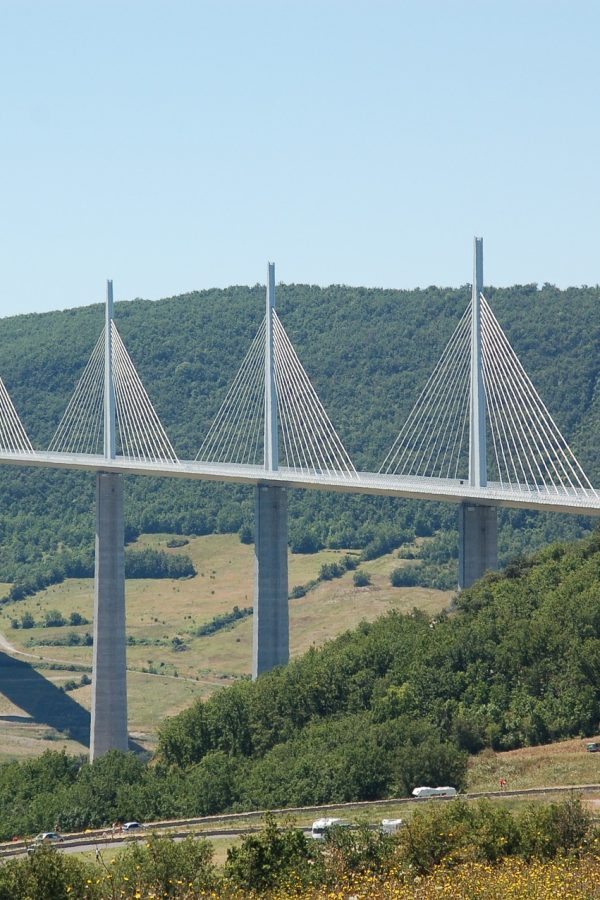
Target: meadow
x=168, y=664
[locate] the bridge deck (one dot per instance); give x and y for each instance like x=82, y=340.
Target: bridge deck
x=573, y=501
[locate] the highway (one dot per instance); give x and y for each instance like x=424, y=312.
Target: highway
x=231, y=825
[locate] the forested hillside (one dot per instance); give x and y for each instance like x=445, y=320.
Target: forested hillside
x=393, y=704
x=368, y=353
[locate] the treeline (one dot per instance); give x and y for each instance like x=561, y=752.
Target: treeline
x=368, y=352
x=146, y=563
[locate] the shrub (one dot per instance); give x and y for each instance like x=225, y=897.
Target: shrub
x=223, y=621
x=546, y=831
x=177, y=542
x=246, y=534
x=48, y=875
x=54, y=619
x=407, y=576
x=273, y=857
x=160, y=865
x=361, y=578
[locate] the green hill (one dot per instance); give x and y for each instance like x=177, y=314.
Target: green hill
x=395, y=703
x=367, y=351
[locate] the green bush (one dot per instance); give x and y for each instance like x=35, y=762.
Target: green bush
x=54, y=619
x=456, y=831
x=275, y=857
x=546, y=831
x=361, y=578
x=405, y=576
x=161, y=865
x=48, y=874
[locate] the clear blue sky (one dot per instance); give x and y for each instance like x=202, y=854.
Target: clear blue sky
x=176, y=145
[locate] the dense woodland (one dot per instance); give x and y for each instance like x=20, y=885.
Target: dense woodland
x=391, y=705
x=368, y=353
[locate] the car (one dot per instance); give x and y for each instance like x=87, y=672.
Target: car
x=44, y=837
x=128, y=827
x=594, y=747
x=48, y=837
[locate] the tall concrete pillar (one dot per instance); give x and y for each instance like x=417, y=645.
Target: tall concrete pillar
x=109, y=668
x=477, y=542
x=109, y=680
x=271, y=644
x=271, y=629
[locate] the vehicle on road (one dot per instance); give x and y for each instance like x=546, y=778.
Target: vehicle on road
x=45, y=837
x=426, y=793
x=129, y=827
x=594, y=747
x=321, y=827
x=391, y=826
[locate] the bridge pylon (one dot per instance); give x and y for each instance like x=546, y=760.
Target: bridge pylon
x=477, y=525
x=272, y=420
x=109, y=669
x=271, y=638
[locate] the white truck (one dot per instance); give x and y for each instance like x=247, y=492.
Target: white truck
x=426, y=793
x=320, y=827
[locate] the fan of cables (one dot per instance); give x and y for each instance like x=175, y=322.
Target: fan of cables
x=13, y=437
x=527, y=451
x=140, y=434
x=308, y=442
x=434, y=440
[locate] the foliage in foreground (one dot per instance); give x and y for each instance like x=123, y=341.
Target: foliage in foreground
x=443, y=845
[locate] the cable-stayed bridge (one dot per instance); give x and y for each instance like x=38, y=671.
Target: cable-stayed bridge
x=576, y=501
x=479, y=435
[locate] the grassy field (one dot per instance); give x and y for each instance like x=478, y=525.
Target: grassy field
x=563, y=763
x=163, y=679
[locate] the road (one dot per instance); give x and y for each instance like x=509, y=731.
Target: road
x=215, y=827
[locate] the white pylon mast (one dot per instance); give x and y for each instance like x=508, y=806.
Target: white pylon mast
x=271, y=439
x=477, y=422
x=109, y=390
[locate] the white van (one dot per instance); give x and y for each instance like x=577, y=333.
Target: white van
x=425, y=793
x=320, y=827
x=391, y=826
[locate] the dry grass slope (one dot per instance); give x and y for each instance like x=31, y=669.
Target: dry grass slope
x=162, y=679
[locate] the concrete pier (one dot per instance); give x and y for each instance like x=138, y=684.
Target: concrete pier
x=477, y=542
x=109, y=678
x=271, y=631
